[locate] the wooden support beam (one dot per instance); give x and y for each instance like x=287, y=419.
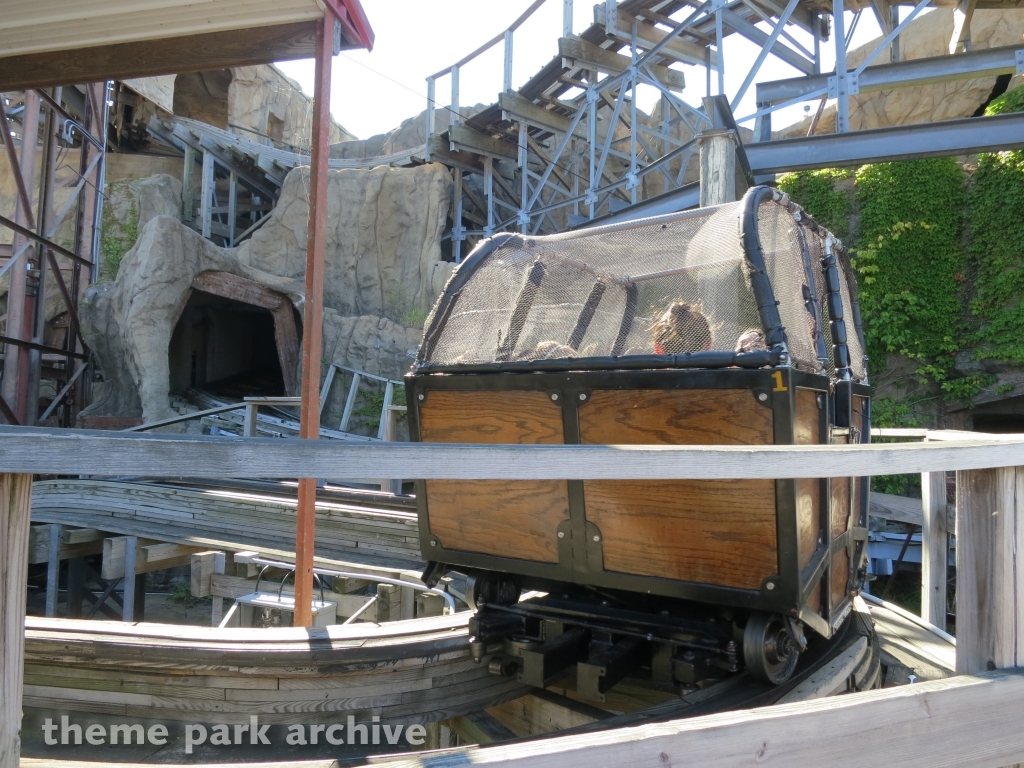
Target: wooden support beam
x=15, y=512
x=649, y=35
x=128, y=590
x=313, y=317
x=461, y=137
x=584, y=54
x=147, y=555
x=990, y=570
x=40, y=538
x=962, y=15
x=544, y=712
x=717, y=167
x=203, y=568
x=479, y=728
x=935, y=551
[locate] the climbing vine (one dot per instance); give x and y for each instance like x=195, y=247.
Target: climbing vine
x=817, y=193
x=996, y=246
x=116, y=239
x=910, y=264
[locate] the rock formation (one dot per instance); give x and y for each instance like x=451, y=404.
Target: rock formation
x=383, y=272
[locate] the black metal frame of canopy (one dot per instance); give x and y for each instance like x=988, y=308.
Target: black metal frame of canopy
x=580, y=557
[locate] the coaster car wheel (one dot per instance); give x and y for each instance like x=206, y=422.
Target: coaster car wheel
x=769, y=650
x=493, y=588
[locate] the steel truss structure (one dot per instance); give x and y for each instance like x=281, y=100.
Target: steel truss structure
x=73, y=118
x=570, y=147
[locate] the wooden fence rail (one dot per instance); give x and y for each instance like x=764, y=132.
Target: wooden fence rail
x=975, y=719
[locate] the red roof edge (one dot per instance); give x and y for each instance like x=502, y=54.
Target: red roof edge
x=354, y=23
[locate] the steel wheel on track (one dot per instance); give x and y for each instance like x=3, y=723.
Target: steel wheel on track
x=769, y=651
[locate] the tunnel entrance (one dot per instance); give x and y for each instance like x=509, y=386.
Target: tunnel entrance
x=233, y=338
x=225, y=347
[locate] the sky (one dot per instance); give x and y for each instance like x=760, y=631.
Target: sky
x=373, y=92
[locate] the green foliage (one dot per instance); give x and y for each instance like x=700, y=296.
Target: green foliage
x=370, y=405
x=399, y=306
x=182, y=595
x=996, y=246
x=816, y=193
x=887, y=413
x=116, y=239
x=910, y=263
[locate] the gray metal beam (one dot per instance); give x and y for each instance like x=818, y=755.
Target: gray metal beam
x=755, y=35
x=906, y=142
x=988, y=62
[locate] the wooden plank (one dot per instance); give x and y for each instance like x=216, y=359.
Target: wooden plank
x=990, y=574
x=676, y=417
x=31, y=449
x=203, y=564
x=935, y=551
x=711, y=532
x=15, y=510
x=591, y=56
x=463, y=138
x=495, y=517
x=479, y=728
x=649, y=35
x=39, y=546
x=545, y=712
x=972, y=720
x=514, y=519
x=808, y=490
x=115, y=554
x=167, y=56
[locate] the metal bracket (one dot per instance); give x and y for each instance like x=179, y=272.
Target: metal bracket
x=522, y=217
x=632, y=181
x=849, y=87
x=1018, y=57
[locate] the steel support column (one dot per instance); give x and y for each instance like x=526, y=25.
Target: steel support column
x=313, y=313
x=20, y=308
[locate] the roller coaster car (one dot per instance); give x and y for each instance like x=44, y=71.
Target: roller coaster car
x=731, y=325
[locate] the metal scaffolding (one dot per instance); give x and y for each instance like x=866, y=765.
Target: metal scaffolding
x=570, y=147
x=39, y=268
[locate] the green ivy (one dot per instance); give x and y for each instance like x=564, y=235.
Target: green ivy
x=996, y=246
x=887, y=412
x=909, y=262
x=816, y=192
x=116, y=239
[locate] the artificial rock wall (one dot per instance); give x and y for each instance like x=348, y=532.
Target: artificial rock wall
x=383, y=272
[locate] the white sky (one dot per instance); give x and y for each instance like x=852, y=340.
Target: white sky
x=374, y=92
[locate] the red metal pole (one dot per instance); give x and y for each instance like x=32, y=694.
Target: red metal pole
x=313, y=314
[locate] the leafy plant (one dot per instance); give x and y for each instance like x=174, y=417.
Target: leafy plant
x=816, y=192
x=996, y=246
x=182, y=595
x=116, y=239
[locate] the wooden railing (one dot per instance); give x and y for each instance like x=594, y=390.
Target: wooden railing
x=974, y=719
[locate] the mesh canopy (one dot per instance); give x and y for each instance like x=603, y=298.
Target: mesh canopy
x=661, y=286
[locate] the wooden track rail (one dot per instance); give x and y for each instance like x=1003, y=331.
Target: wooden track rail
x=974, y=718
